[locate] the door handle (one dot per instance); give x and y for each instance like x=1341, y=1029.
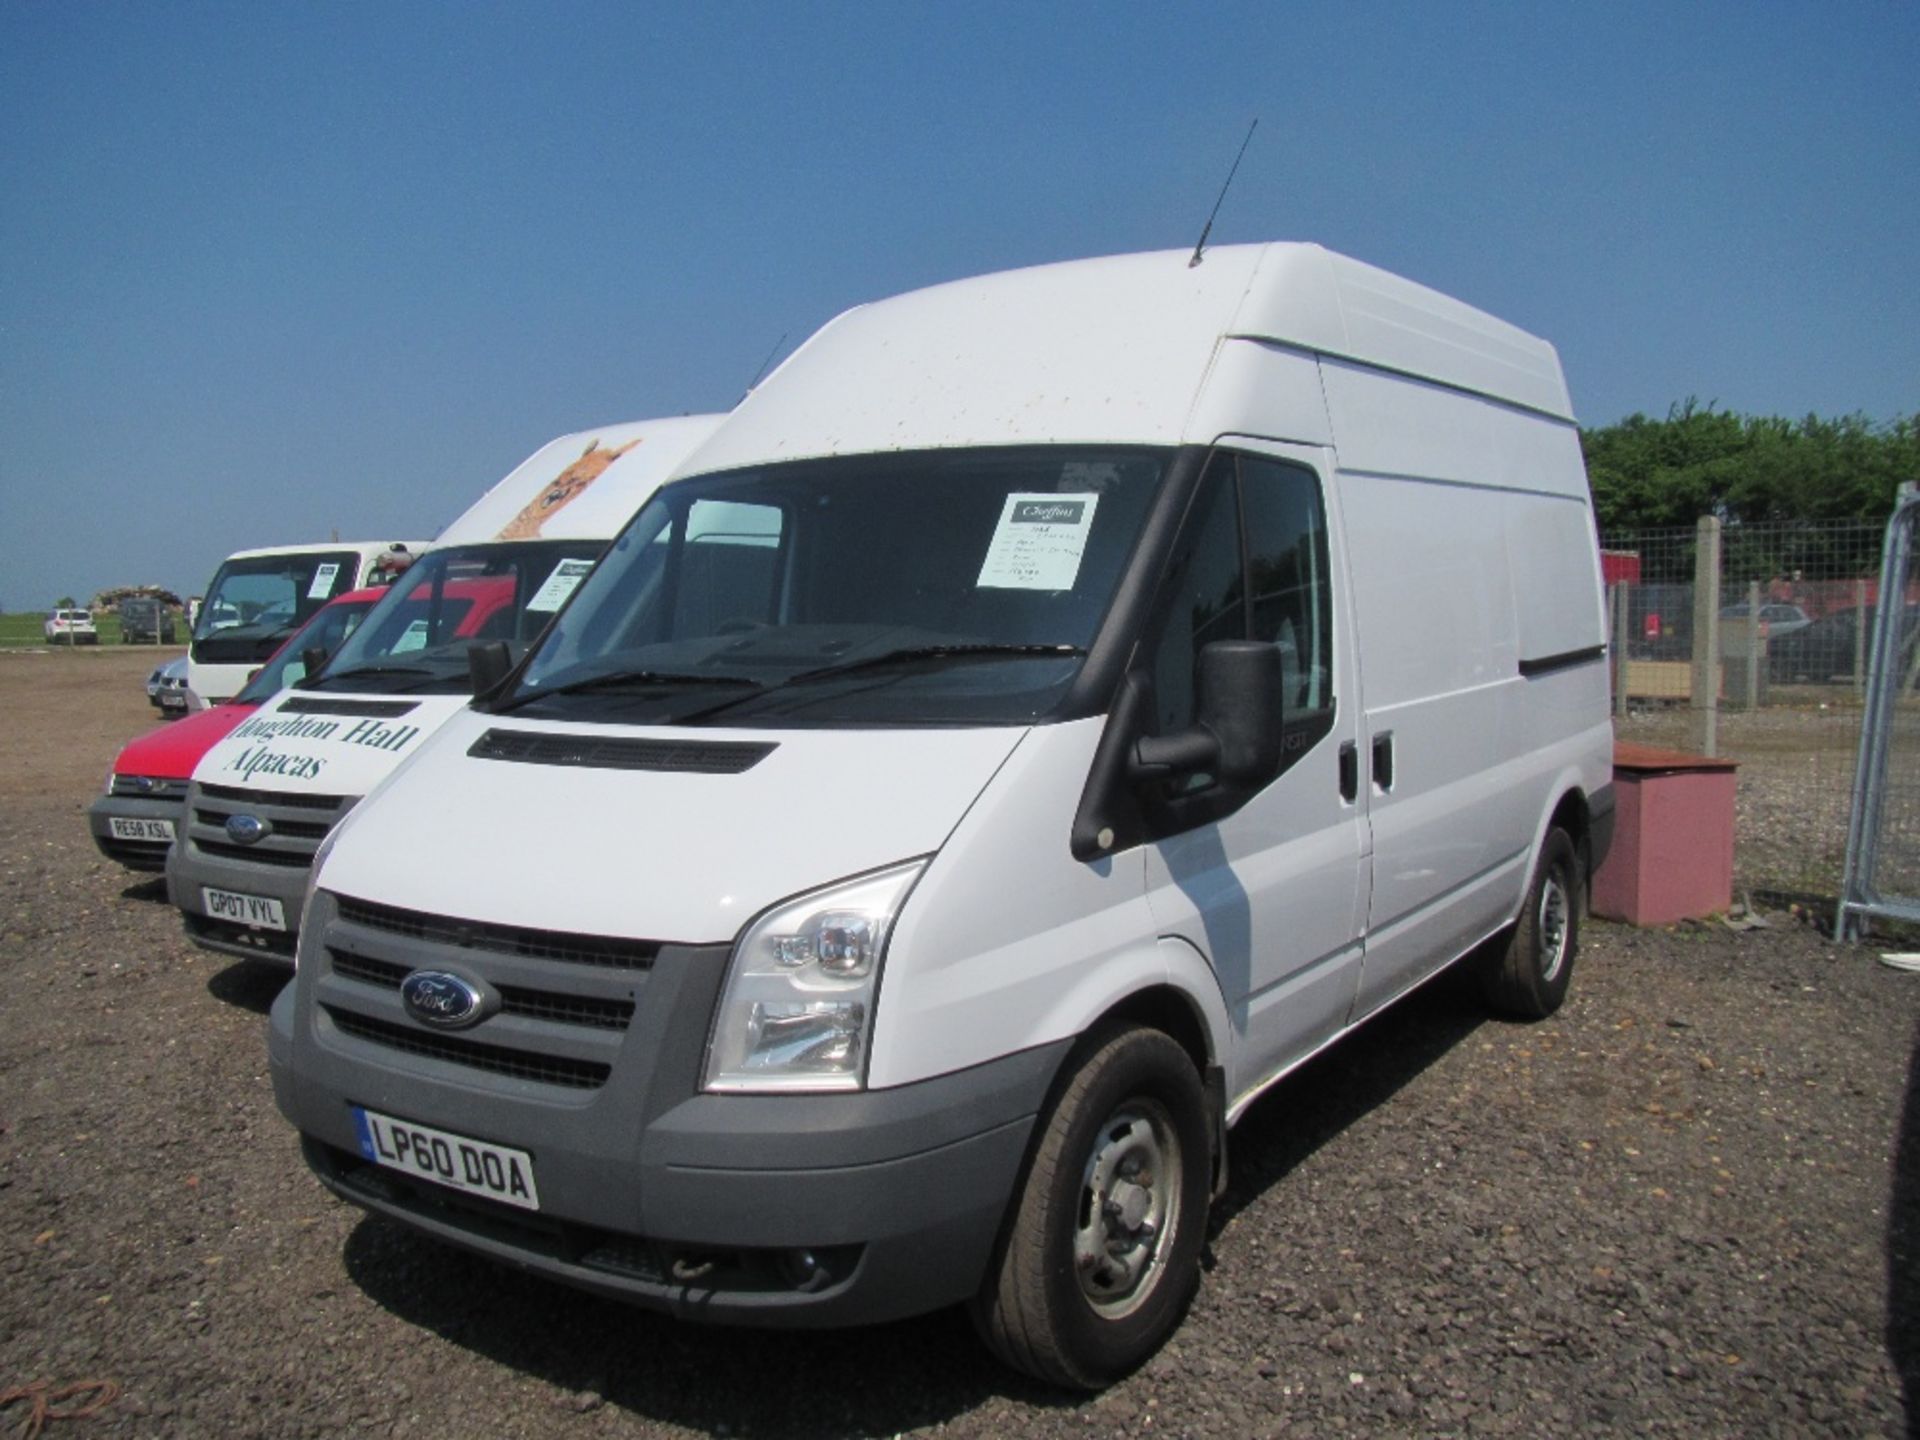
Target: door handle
x=1349, y=771
x=1383, y=760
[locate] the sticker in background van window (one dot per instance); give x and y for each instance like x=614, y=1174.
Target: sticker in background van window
x=1038, y=543
x=414, y=637
x=566, y=575
x=322, y=585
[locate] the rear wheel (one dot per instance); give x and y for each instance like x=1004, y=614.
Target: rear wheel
x=1102, y=1251
x=1529, y=978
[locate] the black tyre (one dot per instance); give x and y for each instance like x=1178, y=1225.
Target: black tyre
x=1101, y=1253
x=1529, y=977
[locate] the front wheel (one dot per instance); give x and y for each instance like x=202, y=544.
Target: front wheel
x=1529, y=978
x=1102, y=1252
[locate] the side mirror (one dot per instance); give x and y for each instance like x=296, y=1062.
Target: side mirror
x=1236, y=735
x=487, y=665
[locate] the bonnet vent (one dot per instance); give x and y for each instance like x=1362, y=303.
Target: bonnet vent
x=372, y=709
x=592, y=752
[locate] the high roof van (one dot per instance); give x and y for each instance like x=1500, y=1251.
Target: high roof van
x=1051, y=708
x=258, y=598
x=264, y=797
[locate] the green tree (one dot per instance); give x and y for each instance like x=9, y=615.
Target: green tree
x=1652, y=474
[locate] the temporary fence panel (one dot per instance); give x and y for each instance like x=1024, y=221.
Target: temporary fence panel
x=1882, y=874
x=1782, y=687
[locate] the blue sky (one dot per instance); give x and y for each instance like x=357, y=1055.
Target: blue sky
x=268, y=271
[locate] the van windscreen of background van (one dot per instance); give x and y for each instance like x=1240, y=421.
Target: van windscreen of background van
x=325, y=632
x=255, y=604
x=416, y=639
x=933, y=587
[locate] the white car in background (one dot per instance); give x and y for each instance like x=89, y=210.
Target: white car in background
x=167, y=689
x=75, y=627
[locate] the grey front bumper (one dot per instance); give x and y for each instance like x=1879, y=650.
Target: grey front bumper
x=188, y=871
x=798, y=1210
x=148, y=855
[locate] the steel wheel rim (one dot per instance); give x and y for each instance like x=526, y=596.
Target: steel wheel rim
x=1128, y=1210
x=1554, y=923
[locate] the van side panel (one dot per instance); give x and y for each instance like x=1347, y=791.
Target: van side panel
x=1441, y=491
x=1387, y=424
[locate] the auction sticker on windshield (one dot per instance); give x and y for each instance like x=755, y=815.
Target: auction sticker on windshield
x=125, y=828
x=262, y=912
x=560, y=584
x=480, y=1168
x=1038, y=543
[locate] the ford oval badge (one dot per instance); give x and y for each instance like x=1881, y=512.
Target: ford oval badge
x=435, y=997
x=247, y=829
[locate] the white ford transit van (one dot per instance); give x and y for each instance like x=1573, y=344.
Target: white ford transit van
x=258, y=598
x=265, y=796
x=1047, y=711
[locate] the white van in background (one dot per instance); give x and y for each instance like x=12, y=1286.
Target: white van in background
x=258, y=598
x=265, y=795
x=1051, y=708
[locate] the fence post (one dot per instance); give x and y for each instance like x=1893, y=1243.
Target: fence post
x=1750, y=672
x=1706, y=637
x=1617, y=609
x=1859, y=636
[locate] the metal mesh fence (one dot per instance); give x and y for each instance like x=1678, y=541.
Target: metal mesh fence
x=1770, y=671
x=1883, y=865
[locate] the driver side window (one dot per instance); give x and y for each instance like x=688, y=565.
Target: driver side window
x=1252, y=563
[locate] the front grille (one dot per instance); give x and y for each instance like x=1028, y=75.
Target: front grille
x=497, y=1059
x=530, y=944
x=690, y=757
x=297, y=824
x=276, y=799
x=256, y=854
x=152, y=789
x=551, y=1005
x=291, y=829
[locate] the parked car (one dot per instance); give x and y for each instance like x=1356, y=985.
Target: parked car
x=1779, y=618
x=1830, y=647
x=167, y=689
x=74, y=627
x=145, y=620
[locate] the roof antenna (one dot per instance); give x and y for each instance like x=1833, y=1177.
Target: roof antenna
x=1202, y=244
x=766, y=362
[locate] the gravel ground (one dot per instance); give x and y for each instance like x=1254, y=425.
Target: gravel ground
x=1689, y=1204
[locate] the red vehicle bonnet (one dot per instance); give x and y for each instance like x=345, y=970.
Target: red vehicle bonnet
x=171, y=752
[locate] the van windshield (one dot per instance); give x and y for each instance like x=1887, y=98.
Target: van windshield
x=257, y=602
x=932, y=587
x=323, y=632
x=416, y=639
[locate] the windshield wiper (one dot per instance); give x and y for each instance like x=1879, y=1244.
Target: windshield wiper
x=614, y=679
x=320, y=681
x=887, y=660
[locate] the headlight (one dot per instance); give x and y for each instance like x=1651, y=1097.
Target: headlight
x=797, y=1013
